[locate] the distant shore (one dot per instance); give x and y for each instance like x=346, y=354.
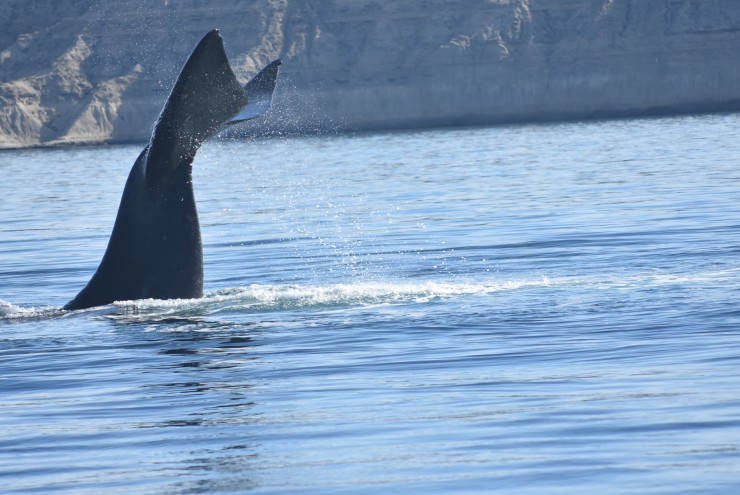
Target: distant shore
x=78, y=72
x=237, y=135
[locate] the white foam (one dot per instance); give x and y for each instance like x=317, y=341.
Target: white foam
x=267, y=297
x=654, y=279
x=11, y=311
x=367, y=293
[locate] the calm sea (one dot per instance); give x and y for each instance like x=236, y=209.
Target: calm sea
x=537, y=309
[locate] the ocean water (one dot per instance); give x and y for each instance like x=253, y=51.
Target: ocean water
x=524, y=309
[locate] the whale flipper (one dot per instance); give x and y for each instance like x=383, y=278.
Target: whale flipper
x=155, y=249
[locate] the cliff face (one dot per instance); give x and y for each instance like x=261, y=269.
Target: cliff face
x=87, y=71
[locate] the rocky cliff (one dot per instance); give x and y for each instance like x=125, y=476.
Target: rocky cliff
x=81, y=71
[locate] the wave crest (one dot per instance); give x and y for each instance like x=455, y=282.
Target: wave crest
x=278, y=297
x=9, y=311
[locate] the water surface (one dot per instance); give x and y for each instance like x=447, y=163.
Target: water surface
x=524, y=309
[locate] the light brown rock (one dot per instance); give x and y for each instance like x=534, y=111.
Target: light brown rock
x=81, y=71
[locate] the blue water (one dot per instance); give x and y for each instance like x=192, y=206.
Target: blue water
x=526, y=309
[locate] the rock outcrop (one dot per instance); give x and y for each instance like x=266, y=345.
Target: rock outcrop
x=85, y=71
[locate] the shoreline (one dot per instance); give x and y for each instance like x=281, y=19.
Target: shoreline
x=235, y=134
x=83, y=74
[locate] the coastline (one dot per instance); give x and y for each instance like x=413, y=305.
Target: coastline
x=82, y=73
x=235, y=134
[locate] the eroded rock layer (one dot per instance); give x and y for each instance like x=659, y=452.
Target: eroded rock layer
x=84, y=71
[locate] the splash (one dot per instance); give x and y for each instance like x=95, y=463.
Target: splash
x=287, y=297
x=9, y=311
x=269, y=298
x=266, y=298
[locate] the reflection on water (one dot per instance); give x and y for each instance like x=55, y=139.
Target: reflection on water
x=529, y=309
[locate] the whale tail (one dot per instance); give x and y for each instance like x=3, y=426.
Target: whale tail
x=260, y=90
x=206, y=97
x=155, y=249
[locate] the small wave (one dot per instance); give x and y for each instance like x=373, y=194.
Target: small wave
x=282, y=297
x=260, y=298
x=716, y=276
x=9, y=311
x=655, y=279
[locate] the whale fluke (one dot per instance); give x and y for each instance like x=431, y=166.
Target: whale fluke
x=155, y=249
x=260, y=90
